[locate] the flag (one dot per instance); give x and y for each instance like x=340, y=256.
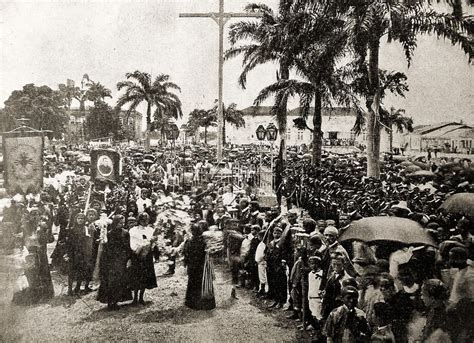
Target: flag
x=23, y=158
x=70, y=83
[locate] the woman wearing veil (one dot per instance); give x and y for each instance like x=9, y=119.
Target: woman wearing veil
x=200, y=291
x=116, y=255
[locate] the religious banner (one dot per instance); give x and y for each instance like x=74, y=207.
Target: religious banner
x=105, y=165
x=23, y=158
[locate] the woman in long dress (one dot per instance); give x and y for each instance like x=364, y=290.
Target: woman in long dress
x=194, y=258
x=79, y=250
x=142, y=271
x=116, y=255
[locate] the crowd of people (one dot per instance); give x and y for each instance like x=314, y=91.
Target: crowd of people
x=290, y=255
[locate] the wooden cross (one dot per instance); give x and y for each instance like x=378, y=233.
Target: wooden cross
x=221, y=18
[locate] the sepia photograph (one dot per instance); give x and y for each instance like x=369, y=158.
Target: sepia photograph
x=236, y=171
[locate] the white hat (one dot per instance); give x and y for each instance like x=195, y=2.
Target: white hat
x=331, y=230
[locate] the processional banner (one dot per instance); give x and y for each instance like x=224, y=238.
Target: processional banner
x=105, y=165
x=23, y=162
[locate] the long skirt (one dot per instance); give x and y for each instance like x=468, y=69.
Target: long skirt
x=114, y=283
x=194, y=297
x=142, y=273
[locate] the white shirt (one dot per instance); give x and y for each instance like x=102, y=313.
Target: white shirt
x=140, y=236
x=260, y=252
x=141, y=204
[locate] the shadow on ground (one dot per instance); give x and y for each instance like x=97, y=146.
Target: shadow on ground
x=178, y=316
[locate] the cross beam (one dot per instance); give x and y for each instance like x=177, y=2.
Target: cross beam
x=221, y=19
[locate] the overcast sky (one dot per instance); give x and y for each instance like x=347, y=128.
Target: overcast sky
x=47, y=42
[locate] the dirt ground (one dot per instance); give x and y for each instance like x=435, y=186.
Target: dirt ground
x=163, y=318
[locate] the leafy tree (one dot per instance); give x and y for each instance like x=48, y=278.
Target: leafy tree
x=102, y=121
x=155, y=94
x=69, y=93
x=43, y=106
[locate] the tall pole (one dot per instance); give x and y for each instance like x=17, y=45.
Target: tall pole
x=220, y=110
x=221, y=19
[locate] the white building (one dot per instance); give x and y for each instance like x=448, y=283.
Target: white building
x=337, y=126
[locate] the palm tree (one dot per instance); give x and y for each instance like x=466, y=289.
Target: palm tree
x=231, y=115
x=153, y=93
x=97, y=92
x=69, y=93
x=397, y=118
x=322, y=46
x=201, y=118
x=400, y=21
x=262, y=42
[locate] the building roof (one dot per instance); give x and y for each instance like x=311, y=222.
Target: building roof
x=266, y=111
x=434, y=128
x=461, y=132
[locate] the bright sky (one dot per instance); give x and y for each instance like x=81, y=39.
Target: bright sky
x=47, y=42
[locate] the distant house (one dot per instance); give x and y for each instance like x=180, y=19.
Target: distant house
x=337, y=127
x=446, y=136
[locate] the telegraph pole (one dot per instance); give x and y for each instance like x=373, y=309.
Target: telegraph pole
x=221, y=18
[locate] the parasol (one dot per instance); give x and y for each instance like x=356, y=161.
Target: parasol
x=412, y=168
x=84, y=159
x=148, y=161
x=462, y=203
x=394, y=229
x=420, y=173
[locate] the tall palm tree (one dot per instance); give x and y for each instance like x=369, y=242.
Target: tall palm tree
x=232, y=116
x=201, y=118
x=395, y=117
x=155, y=93
x=262, y=42
x=322, y=46
x=400, y=21
x=97, y=92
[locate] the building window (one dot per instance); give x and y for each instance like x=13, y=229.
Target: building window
x=288, y=134
x=299, y=136
x=332, y=135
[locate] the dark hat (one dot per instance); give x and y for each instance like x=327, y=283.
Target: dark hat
x=350, y=290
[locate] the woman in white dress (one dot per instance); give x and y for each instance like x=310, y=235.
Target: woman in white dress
x=142, y=270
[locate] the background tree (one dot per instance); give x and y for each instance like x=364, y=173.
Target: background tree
x=97, y=92
x=390, y=82
x=400, y=21
x=45, y=107
x=201, y=118
x=69, y=93
x=323, y=36
x=232, y=116
x=262, y=42
x=103, y=121
x=156, y=93
x=395, y=118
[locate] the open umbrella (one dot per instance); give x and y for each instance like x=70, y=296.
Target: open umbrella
x=462, y=203
x=412, y=168
x=422, y=173
x=84, y=159
x=148, y=161
x=394, y=229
